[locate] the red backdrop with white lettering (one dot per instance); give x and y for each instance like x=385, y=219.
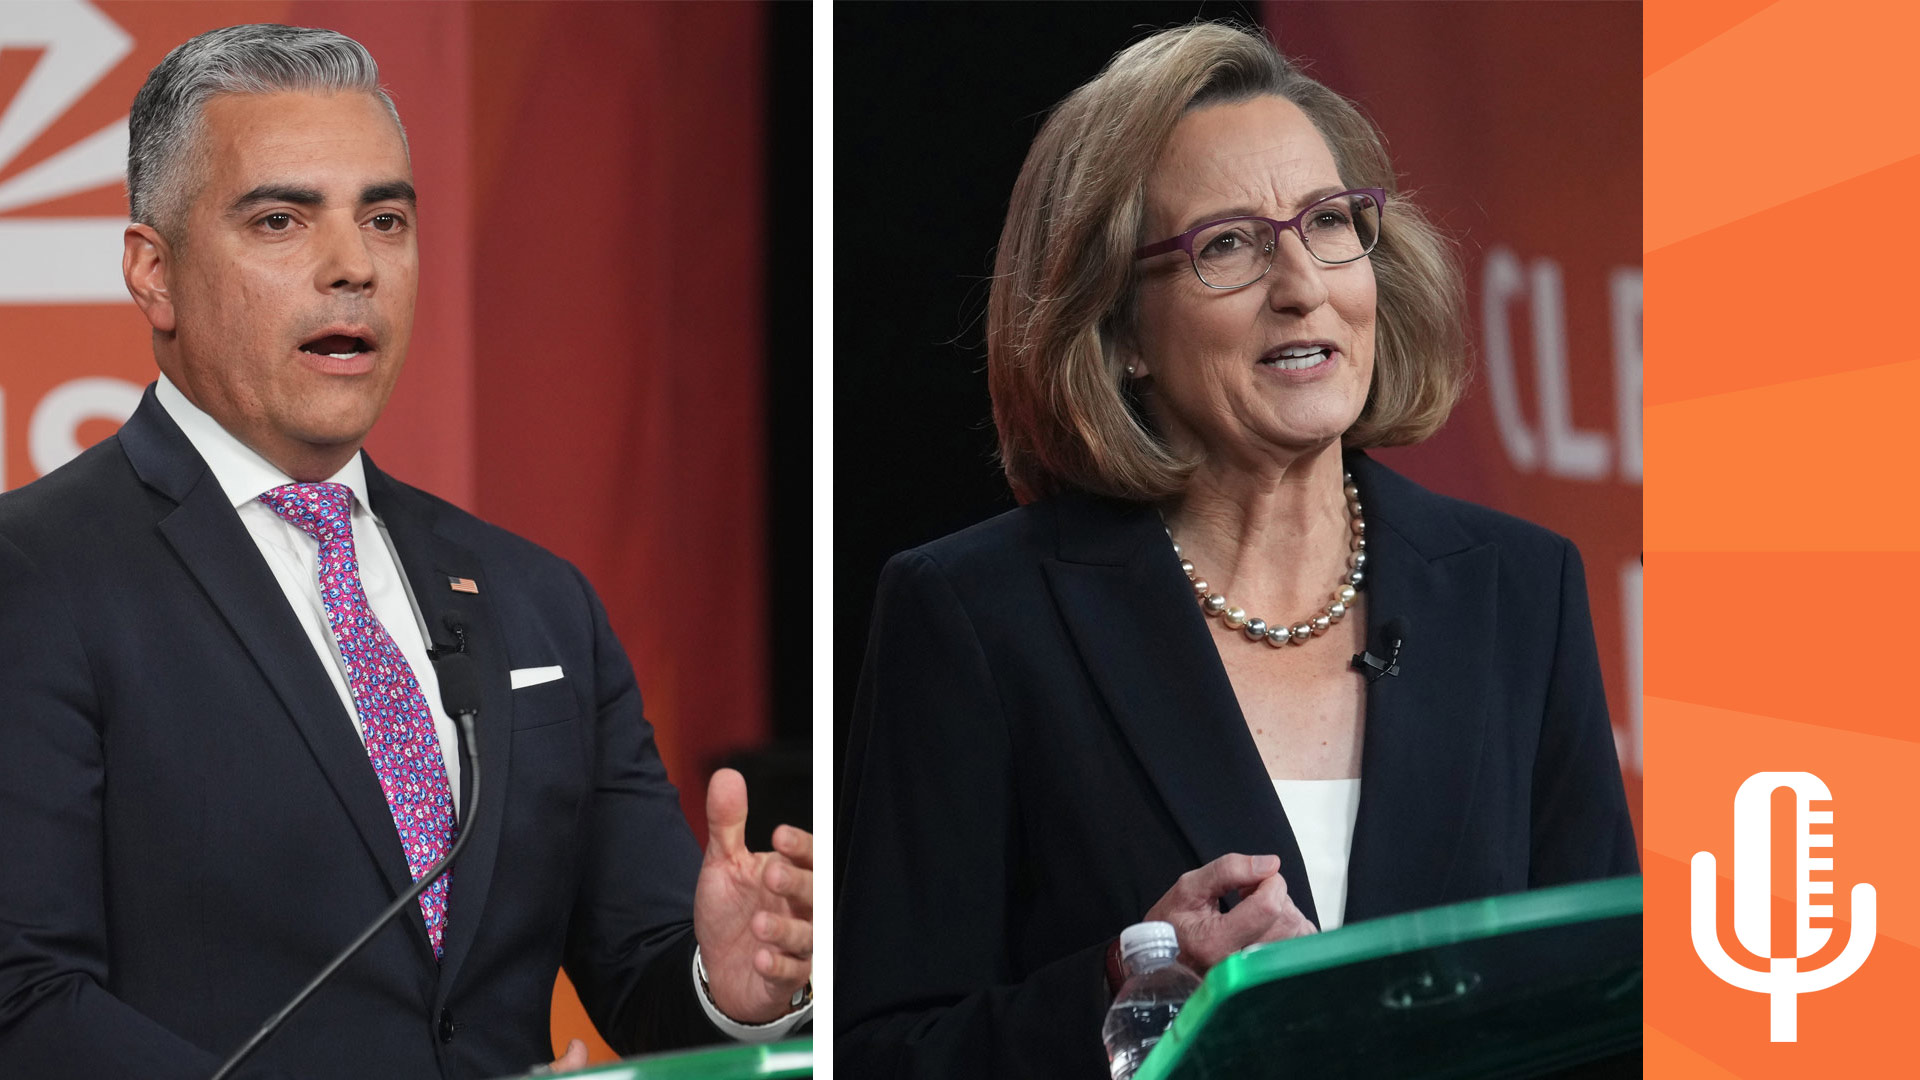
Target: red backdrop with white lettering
x=1518, y=127
x=586, y=367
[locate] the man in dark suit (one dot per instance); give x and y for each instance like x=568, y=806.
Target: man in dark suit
x=222, y=748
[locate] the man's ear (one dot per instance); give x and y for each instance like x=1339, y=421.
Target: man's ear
x=146, y=262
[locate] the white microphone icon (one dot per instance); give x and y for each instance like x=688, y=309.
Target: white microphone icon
x=1752, y=900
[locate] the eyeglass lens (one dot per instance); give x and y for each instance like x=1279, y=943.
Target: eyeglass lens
x=1336, y=230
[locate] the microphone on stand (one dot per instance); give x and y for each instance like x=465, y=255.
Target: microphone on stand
x=1395, y=633
x=460, y=696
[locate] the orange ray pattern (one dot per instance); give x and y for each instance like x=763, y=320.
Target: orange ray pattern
x=1757, y=281
x=1783, y=560
x=1797, y=98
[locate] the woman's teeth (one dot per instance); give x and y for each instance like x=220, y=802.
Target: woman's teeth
x=1298, y=359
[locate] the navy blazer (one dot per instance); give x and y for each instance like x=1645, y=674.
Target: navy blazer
x=1044, y=739
x=190, y=827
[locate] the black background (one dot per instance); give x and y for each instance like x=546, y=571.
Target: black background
x=935, y=106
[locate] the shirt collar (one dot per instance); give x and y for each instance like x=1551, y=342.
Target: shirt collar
x=243, y=474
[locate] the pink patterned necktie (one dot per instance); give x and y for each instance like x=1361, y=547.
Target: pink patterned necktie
x=394, y=715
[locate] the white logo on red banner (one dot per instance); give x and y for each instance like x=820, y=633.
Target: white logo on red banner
x=60, y=260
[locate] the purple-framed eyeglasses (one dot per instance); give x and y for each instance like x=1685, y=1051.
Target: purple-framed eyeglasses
x=1235, y=252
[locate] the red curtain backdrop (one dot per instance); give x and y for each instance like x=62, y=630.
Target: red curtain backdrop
x=586, y=367
x=1518, y=128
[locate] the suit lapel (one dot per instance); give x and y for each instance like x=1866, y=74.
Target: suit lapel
x=431, y=561
x=1147, y=648
x=210, y=540
x=207, y=535
x=1421, y=750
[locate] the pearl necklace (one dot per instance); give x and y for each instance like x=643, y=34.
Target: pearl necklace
x=1256, y=629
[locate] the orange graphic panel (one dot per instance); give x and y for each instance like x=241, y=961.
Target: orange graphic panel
x=1783, y=554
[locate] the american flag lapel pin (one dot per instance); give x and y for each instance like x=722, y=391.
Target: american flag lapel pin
x=462, y=584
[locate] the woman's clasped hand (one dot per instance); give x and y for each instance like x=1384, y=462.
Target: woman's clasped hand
x=1207, y=935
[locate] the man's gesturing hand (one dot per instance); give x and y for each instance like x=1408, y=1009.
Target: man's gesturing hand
x=1265, y=911
x=752, y=911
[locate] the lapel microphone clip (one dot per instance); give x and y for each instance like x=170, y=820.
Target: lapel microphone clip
x=456, y=624
x=1376, y=668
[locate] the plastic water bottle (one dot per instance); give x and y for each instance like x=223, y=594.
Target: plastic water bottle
x=1157, y=986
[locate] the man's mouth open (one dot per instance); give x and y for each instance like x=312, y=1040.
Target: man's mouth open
x=338, y=346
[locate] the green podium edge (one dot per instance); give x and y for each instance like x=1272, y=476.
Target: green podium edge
x=1374, y=938
x=774, y=1061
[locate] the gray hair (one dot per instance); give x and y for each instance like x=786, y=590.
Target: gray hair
x=260, y=58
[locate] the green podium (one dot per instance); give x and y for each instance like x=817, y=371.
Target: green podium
x=1535, y=984
x=764, y=1061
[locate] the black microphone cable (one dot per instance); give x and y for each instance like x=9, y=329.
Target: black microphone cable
x=460, y=696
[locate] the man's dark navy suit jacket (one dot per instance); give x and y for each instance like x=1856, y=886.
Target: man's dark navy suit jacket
x=190, y=828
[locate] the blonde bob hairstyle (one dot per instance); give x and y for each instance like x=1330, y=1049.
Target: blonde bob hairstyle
x=1064, y=277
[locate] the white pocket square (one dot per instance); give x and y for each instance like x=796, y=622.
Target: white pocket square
x=532, y=676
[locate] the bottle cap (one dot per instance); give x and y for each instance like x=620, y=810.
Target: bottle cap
x=1140, y=937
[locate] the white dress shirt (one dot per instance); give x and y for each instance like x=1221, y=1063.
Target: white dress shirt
x=294, y=558
x=1322, y=813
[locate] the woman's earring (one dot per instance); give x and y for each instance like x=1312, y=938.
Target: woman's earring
x=1129, y=371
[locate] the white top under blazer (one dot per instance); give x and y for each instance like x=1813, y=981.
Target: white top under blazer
x=1322, y=813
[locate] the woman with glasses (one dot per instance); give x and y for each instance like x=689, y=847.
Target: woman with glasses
x=1219, y=654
